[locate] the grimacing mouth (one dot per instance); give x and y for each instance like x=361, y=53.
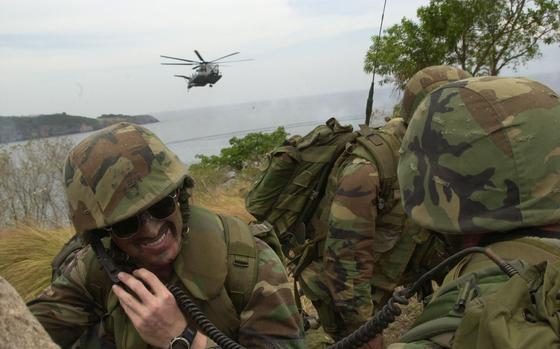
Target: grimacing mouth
x=164, y=230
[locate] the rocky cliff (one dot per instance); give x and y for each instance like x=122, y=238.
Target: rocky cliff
x=20, y=128
x=18, y=327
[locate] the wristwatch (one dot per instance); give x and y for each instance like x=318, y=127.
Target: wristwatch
x=184, y=340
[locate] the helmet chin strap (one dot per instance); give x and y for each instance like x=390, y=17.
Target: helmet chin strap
x=185, y=194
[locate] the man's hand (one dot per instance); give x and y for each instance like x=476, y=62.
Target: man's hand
x=155, y=313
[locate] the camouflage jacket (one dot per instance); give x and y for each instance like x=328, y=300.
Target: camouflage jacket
x=81, y=297
x=365, y=250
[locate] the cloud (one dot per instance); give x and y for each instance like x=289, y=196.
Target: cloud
x=202, y=23
x=93, y=57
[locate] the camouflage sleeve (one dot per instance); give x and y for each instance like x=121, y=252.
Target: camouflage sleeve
x=66, y=308
x=271, y=318
x=348, y=254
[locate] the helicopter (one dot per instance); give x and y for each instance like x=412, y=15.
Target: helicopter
x=205, y=72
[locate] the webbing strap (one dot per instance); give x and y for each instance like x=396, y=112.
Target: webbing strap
x=382, y=148
x=242, y=261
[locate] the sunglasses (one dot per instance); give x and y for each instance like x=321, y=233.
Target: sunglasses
x=162, y=209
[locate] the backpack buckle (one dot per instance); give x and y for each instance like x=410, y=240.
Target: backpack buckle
x=313, y=195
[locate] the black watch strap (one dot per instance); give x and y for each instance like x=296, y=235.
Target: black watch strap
x=184, y=340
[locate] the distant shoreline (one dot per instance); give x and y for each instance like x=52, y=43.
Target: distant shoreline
x=22, y=128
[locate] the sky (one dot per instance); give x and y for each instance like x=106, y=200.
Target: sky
x=98, y=57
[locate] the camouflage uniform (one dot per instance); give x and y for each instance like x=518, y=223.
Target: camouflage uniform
x=481, y=163
x=339, y=280
x=122, y=170
x=366, y=247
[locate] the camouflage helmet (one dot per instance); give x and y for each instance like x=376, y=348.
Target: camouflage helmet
x=116, y=173
x=425, y=81
x=483, y=155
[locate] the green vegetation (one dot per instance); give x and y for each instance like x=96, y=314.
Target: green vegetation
x=244, y=152
x=480, y=36
x=227, y=176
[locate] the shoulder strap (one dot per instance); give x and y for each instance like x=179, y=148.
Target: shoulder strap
x=241, y=260
x=383, y=147
x=66, y=255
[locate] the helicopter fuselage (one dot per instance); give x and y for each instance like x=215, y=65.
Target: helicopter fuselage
x=206, y=74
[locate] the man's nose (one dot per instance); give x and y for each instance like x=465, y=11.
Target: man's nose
x=148, y=223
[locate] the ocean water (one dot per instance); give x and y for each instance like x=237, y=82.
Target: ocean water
x=207, y=130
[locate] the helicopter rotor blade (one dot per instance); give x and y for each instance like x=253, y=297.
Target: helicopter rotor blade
x=199, y=56
x=217, y=59
x=178, y=63
x=237, y=60
x=184, y=77
x=180, y=59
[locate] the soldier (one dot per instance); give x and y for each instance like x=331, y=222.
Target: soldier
x=480, y=163
x=362, y=246
x=124, y=184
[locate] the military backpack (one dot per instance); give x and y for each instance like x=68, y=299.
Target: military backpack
x=295, y=176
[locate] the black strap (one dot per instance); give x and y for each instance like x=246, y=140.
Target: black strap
x=184, y=340
x=189, y=334
x=104, y=259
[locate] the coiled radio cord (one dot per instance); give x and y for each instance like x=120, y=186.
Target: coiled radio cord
x=384, y=317
x=189, y=307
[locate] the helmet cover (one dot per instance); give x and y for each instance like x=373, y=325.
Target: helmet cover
x=483, y=155
x=117, y=172
x=425, y=81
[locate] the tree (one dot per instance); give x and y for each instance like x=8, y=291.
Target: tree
x=480, y=36
x=31, y=185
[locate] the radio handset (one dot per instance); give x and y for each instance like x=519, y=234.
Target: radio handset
x=111, y=268
x=105, y=260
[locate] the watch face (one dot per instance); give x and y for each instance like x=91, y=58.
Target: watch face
x=179, y=343
x=184, y=340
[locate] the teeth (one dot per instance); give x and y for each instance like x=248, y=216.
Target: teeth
x=160, y=239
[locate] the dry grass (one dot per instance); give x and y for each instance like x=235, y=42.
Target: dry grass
x=25, y=257
x=222, y=200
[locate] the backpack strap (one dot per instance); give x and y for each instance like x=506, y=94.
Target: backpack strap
x=383, y=147
x=241, y=259
x=66, y=255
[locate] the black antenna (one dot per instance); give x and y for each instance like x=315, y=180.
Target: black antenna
x=369, y=104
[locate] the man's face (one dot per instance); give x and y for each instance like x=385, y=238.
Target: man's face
x=156, y=243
